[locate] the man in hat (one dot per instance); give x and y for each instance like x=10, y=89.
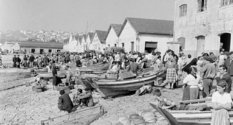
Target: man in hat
x=209, y=73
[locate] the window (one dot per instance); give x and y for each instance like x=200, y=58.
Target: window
x=226, y=2
x=123, y=44
x=183, y=10
x=202, y=5
x=115, y=45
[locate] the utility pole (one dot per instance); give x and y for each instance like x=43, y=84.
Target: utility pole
x=87, y=27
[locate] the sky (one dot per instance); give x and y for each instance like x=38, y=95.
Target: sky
x=74, y=15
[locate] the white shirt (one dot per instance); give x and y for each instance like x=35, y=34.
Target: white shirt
x=222, y=99
x=191, y=80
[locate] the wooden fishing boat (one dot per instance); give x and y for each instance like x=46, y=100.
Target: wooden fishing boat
x=188, y=117
x=81, y=117
x=111, y=88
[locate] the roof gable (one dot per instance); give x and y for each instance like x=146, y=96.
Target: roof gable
x=91, y=35
x=150, y=26
x=101, y=35
x=116, y=28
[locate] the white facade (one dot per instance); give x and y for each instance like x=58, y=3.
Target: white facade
x=204, y=28
x=72, y=47
x=112, y=38
x=88, y=43
x=96, y=44
x=8, y=46
x=84, y=43
x=132, y=41
x=127, y=36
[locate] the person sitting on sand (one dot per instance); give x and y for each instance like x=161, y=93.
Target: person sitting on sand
x=64, y=102
x=221, y=104
x=33, y=73
x=163, y=102
x=87, y=98
x=76, y=100
x=143, y=90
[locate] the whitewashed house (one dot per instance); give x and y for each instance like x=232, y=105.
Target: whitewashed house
x=9, y=46
x=79, y=43
x=145, y=35
x=90, y=36
x=72, y=44
x=84, y=42
x=112, y=38
x=98, y=42
x=65, y=45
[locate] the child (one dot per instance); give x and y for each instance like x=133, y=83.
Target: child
x=162, y=102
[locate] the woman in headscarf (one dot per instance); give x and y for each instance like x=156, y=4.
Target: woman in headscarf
x=191, y=85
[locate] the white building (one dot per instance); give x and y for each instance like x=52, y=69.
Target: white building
x=84, y=43
x=204, y=25
x=112, y=38
x=90, y=36
x=98, y=42
x=145, y=35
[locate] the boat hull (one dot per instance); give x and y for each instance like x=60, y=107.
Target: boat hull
x=111, y=88
x=193, y=116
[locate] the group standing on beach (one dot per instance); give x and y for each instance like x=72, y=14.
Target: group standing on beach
x=197, y=75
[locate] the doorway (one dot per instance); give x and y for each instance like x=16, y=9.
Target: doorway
x=33, y=50
x=41, y=51
x=132, y=46
x=150, y=46
x=182, y=43
x=225, y=42
x=200, y=45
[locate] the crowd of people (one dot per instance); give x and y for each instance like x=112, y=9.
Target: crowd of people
x=196, y=75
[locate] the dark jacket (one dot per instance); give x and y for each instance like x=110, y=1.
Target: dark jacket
x=229, y=65
x=227, y=78
x=31, y=58
x=65, y=103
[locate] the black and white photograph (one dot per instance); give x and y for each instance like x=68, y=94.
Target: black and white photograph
x=116, y=62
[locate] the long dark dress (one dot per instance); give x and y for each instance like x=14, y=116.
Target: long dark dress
x=55, y=79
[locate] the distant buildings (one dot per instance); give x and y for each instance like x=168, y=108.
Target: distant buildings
x=204, y=25
x=32, y=47
x=145, y=35
x=135, y=34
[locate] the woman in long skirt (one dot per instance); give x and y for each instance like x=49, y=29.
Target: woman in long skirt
x=221, y=103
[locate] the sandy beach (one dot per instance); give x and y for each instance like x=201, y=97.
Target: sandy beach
x=20, y=105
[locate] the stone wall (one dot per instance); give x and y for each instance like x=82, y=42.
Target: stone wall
x=211, y=24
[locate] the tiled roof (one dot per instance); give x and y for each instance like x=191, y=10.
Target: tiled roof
x=76, y=37
x=80, y=39
x=101, y=35
x=48, y=45
x=150, y=26
x=91, y=35
x=116, y=28
x=85, y=37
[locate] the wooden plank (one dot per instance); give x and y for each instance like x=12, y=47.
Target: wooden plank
x=195, y=101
